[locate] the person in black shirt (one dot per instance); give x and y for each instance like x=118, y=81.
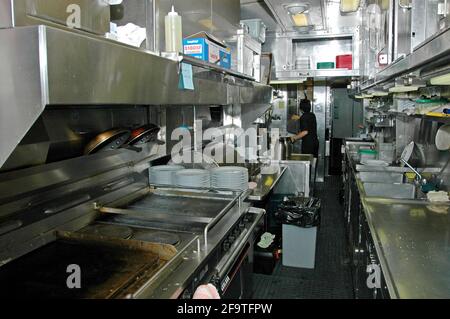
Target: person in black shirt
x=308, y=130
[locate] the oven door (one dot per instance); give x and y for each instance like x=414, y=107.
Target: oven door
x=233, y=273
x=236, y=283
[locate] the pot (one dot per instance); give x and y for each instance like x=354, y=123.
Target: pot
x=284, y=149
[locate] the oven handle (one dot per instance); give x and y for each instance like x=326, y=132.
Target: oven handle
x=228, y=260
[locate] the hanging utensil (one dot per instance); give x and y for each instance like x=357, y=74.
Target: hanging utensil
x=108, y=141
x=144, y=135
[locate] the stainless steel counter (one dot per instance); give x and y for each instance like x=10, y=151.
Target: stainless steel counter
x=412, y=240
x=266, y=184
x=413, y=243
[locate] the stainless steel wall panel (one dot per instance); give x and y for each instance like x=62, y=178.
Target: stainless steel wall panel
x=6, y=16
x=256, y=94
x=85, y=70
x=321, y=105
x=402, y=44
x=95, y=14
x=22, y=89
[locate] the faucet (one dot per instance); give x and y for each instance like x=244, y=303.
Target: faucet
x=419, y=178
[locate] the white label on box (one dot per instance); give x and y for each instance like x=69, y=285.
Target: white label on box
x=214, y=54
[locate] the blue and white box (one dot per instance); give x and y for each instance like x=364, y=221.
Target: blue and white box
x=202, y=46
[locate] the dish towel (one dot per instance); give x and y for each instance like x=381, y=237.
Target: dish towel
x=438, y=197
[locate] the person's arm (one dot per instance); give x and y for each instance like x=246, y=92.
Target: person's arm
x=299, y=136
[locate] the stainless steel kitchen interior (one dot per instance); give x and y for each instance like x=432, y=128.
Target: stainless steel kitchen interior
x=224, y=149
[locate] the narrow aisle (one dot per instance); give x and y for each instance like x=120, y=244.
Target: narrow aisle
x=332, y=278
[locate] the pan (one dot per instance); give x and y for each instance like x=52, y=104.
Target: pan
x=145, y=134
x=108, y=141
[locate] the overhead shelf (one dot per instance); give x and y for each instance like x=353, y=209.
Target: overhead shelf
x=42, y=65
x=433, y=52
x=325, y=73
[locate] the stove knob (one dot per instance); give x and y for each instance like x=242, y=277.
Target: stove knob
x=241, y=226
x=237, y=232
x=232, y=238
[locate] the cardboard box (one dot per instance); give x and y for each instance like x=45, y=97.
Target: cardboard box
x=204, y=47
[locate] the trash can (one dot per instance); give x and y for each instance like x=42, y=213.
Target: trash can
x=301, y=220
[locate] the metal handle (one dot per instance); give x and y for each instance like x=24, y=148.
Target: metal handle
x=218, y=218
x=9, y=226
x=118, y=184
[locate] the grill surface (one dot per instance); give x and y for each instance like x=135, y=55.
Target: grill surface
x=106, y=271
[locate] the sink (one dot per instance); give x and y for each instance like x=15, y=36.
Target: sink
x=390, y=190
x=301, y=157
x=381, y=177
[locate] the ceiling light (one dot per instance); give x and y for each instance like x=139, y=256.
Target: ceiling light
x=299, y=81
x=348, y=6
x=301, y=19
x=441, y=80
x=296, y=8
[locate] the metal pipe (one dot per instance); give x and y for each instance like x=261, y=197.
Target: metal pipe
x=412, y=168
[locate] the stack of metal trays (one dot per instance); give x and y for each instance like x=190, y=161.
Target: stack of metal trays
x=164, y=174
x=195, y=178
x=303, y=63
x=231, y=177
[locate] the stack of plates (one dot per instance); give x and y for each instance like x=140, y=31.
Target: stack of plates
x=164, y=175
x=234, y=178
x=195, y=178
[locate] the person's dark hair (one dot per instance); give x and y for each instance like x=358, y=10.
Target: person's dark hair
x=305, y=106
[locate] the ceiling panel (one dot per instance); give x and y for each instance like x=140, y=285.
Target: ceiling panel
x=252, y=9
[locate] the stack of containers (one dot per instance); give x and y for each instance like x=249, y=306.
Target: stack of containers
x=303, y=63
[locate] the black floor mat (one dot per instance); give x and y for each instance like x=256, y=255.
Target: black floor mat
x=331, y=279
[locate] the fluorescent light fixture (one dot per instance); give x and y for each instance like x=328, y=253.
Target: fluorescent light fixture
x=287, y=81
x=380, y=93
x=441, y=80
x=403, y=89
x=348, y=6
